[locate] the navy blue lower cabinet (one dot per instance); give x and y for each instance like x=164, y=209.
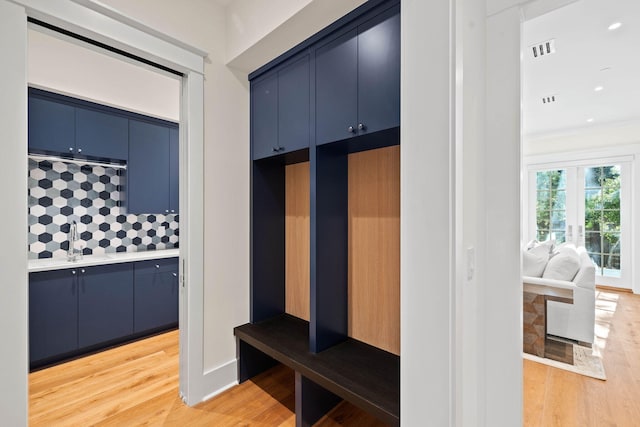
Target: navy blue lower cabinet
x=155, y=294
x=53, y=314
x=105, y=305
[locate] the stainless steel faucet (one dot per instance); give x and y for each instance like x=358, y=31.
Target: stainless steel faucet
x=73, y=254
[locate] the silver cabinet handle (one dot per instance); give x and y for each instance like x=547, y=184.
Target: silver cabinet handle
x=361, y=126
x=350, y=129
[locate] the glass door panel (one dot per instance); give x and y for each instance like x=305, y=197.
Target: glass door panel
x=602, y=185
x=588, y=205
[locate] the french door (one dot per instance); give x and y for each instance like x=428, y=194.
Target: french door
x=589, y=205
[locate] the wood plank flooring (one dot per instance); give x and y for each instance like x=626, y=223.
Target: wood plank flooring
x=554, y=397
x=137, y=384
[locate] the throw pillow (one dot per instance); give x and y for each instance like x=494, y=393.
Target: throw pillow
x=534, y=261
x=563, y=266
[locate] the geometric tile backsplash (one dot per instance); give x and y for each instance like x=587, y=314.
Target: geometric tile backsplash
x=61, y=192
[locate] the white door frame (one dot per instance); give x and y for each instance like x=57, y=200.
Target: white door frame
x=100, y=23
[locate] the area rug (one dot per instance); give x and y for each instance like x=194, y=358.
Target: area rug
x=585, y=362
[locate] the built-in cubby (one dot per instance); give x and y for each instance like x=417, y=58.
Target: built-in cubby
x=325, y=227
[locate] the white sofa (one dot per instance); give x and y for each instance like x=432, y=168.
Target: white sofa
x=566, y=267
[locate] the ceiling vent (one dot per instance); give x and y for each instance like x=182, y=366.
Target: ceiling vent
x=542, y=49
x=549, y=99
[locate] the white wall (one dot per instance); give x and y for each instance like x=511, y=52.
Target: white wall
x=226, y=233
x=64, y=66
x=259, y=31
x=586, y=138
x=13, y=253
x=426, y=214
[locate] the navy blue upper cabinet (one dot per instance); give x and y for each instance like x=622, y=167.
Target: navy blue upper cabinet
x=379, y=72
x=59, y=124
x=337, y=89
x=51, y=126
x=105, y=306
x=53, y=314
x=148, y=170
x=174, y=170
x=280, y=104
x=156, y=294
x=264, y=116
x=358, y=80
x=293, y=106
x=102, y=135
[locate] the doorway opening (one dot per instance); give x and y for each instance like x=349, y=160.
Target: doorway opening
x=108, y=226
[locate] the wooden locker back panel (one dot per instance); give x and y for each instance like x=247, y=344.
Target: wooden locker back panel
x=297, y=245
x=374, y=247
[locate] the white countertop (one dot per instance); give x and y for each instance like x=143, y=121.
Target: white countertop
x=47, y=264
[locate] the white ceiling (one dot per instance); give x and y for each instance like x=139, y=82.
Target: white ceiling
x=587, y=55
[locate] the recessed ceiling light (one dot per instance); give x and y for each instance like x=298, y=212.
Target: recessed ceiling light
x=615, y=26
x=590, y=120
x=598, y=88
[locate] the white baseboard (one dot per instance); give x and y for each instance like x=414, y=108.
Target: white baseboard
x=218, y=379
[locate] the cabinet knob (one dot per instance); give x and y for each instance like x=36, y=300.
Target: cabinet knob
x=166, y=211
x=274, y=149
x=175, y=274
x=70, y=148
x=73, y=272
x=79, y=150
x=361, y=126
x=157, y=265
x=82, y=271
x=350, y=129
x=173, y=210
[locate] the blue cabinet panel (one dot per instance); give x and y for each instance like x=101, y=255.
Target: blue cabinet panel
x=337, y=89
x=293, y=106
x=51, y=126
x=155, y=294
x=174, y=170
x=101, y=135
x=105, y=306
x=264, y=117
x=148, y=168
x=53, y=314
x=379, y=73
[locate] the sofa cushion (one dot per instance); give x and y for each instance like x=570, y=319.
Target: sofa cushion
x=562, y=266
x=534, y=261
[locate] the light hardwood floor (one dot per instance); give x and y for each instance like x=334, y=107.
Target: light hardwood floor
x=554, y=397
x=137, y=384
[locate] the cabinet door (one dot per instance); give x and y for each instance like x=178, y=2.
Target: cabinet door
x=100, y=134
x=264, y=117
x=53, y=314
x=293, y=106
x=105, y=307
x=156, y=294
x=379, y=72
x=51, y=126
x=148, y=168
x=336, y=89
x=174, y=170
